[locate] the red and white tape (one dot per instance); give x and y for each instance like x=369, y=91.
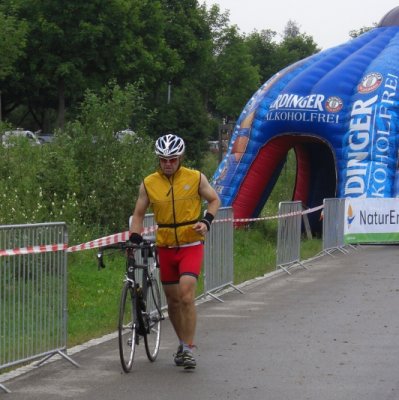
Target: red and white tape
x=310, y=210
x=123, y=236
x=116, y=238
x=291, y=214
x=111, y=239
x=34, y=249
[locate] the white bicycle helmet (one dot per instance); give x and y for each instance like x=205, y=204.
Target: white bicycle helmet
x=169, y=146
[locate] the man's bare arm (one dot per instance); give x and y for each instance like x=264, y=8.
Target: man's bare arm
x=208, y=193
x=140, y=209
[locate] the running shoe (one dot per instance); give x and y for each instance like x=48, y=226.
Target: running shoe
x=188, y=360
x=179, y=356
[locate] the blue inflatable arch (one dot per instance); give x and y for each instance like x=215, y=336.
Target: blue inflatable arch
x=338, y=110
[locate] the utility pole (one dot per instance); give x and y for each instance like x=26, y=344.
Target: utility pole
x=169, y=91
x=224, y=135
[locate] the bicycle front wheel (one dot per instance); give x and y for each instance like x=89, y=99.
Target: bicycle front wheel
x=152, y=339
x=127, y=326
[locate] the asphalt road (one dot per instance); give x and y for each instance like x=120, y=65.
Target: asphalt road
x=327, y=333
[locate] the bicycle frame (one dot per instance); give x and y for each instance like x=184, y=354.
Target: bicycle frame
x=137, y=316
x=132, y=267
x=140, y=285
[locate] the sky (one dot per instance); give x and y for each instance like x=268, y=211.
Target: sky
x=328, y=22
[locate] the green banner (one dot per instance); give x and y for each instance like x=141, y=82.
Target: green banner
x=371, y=237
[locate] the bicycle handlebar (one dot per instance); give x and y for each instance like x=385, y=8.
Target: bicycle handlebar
x=128, y=245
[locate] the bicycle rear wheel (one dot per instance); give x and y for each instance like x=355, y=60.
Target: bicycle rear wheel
x=127, y=326
x=152, y=339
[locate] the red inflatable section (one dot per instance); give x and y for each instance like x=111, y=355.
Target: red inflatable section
x=261, y=171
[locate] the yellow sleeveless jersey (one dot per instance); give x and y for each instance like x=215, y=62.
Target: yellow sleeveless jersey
x=176, y=204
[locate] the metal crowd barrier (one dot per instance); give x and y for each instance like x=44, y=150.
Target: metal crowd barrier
x=33, y=295
x=333, y=225
x=289, y=235
x=218, y=260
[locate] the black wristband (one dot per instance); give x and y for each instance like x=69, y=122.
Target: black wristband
x=207, y=220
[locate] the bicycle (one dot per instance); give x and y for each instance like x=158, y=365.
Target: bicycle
x=140, y=312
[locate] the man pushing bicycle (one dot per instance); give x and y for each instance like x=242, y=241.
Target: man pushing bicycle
x=175, y=193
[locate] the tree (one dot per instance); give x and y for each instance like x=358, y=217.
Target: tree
x=78, y=45
x=186, y=116
x=219, y=24
x=357, y=32
x=187, y=34
x=295, y=46
x=291, y=29
x=237, y=75
x=181, y=94
x=262, y=47
x=104, y=172
x=12, y=43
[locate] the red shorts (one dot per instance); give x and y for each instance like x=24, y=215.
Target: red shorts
x=177, y=261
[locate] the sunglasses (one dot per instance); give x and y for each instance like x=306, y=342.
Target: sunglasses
x=172, y=160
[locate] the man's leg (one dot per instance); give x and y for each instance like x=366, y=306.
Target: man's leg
x=181, y=300
x=172, y=293
x=188, y=310
x=187, y=286
x=183, y=316
x=181, y=307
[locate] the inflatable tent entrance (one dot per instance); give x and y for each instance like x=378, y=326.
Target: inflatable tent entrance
x=338, y=110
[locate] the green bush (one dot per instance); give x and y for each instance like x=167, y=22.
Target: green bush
x=85, y=177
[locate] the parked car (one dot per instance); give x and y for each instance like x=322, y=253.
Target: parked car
x=46, y=137
x=121, y=135
x=213, y=145
x=8, y=137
